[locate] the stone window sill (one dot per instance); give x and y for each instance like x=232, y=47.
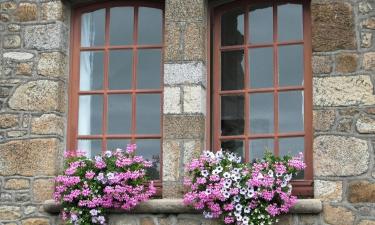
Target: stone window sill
x=175, y=206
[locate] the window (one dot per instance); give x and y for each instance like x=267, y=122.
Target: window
x=116, y=79
x=262, y=81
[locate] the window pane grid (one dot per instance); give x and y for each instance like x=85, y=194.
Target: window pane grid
x=133, y=92
x=248, y=91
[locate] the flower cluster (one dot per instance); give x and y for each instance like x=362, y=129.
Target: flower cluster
x=91, y=186
x=240, y=193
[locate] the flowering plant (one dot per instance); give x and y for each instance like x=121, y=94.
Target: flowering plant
x=239, y=193
x=91, y=186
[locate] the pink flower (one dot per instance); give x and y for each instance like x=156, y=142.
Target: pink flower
x=89, y=174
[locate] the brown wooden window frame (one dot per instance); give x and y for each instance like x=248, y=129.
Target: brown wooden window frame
x=74, y=83
x=303, y=187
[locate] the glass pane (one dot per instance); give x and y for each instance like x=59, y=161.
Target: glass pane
x=149, y=67
x=148, y=114
x=291, y=111
x=292, y=146
x=235, y=146
x=91, y=71
x=232, y=115
x=91, y=147
x=261, y=113
x=261, y=24
x=150, y=26
x=259, y=146
x=120, y=69
x=291, y=65
x=232, y=28
x=113, y=144
x=90, y=114
x=261, y=67
x=232, y=70
x=121, y=27
x=150, y=150
x=93, y=28
x=290, y=22
x=119, y=114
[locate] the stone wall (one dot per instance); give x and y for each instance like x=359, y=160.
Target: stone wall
x=34, y=69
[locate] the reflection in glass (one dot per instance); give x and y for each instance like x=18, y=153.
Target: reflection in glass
x=260, y=146
x=291, y=65
x=113, y=144
x=90, y=114
x=150, y=150
x=235, y=146
x=119, y=114
x=91, y=71
x=232, y=28
x=291, y=111
x=148, y=69
x=148, y=114
x=149, y=26
x=261, y=113
x=232, y=115
x=292, y=146
x=261, y=67
x=290, y=26
x=120, y=69
x=93, y=28
x=91, y=147
x=232, y=70
x=121, y=27
x=261, y=24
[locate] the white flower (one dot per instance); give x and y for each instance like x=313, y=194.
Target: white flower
x=215, y=171
x=239, y=207
x=226, y=175
x=236, y=170
x=226, y=194
x=245, y=220
x=238, y=159
x=284, y=183
x=208, y=191
x=209, y=154
x=219, y=154
x=207, y=215
x=239, y=218
x=250, y=192
x=204, y=173
x=219, y=169
x=237, y=198
x=288, y=177
x=270, y=173
x=243, y=191
x=279, y=174
x=247, y=209
x=108, y=153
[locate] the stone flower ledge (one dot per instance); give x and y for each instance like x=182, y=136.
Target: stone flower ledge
x=176, y=206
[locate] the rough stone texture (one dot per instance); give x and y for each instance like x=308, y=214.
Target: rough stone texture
x=30, y=157
x=12, y=41
x=365, y=125
x=8, y=120
x=365, y=7
x=192, y=150
x=321, y=64
x=171, y=154
x=194, y=99
x=285, y=220
x=48, y=124
x=17, y=184
x=337, y=215
x=43, y=189
x=369, y=23
x=18, y=55
x=184, y=10
x=331, y=154
x=361, y=191
x=328, y=190
x=185, y=73
x=9, y=212
x=183, y=126
x=45, y=37
x=367, y=222
x=366, y=40
x=41, y=95
x=332, y=26
x=52, y=64
x=369, y=61
x=53, y=11
x=323, y=120
x=346, y=63
x=343, y=91
x=27, y=12
x=173, y=189
x=36, y=221
x=24, y=69
x=344, y=125
x=172, y=100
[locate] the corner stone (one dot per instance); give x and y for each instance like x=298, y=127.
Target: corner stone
x=43, y=189
x=338, y=215
x=33, y=157
x=45, y=37
x=10, y=213
x=361, y=192
x=48, y=124
x=328, y=190
x=42, y=95
x=331, y=155
x=51, y=64
x=365, y=125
